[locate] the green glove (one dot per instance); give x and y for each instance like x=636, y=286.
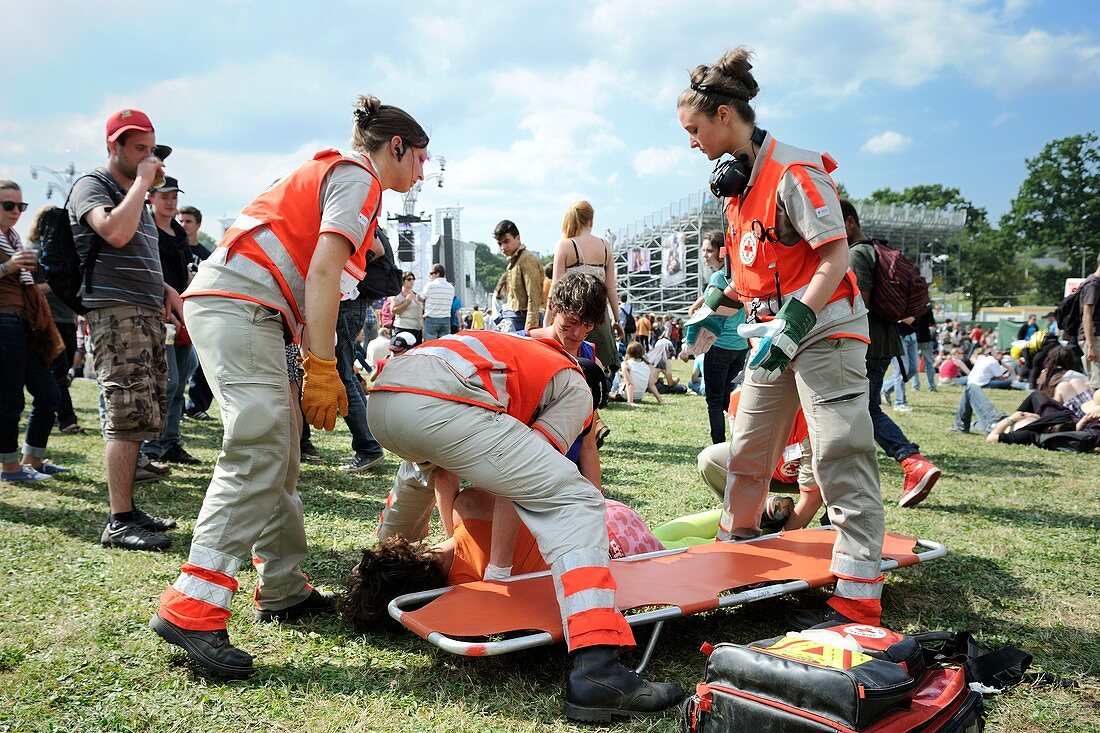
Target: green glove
x=779, y=339
x=720, y=303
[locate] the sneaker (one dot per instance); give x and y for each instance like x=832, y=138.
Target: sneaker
x=25, y=475
x=361, y=463
x=146, y=476
x=156, y=467
x=310, y=454
x=902, y=408
x=920, y=476
x=132, y=536
x=315, y=604
x=176, y=454
x=199, y=415
x=777, y=510
x=151, y=523
x=210, y=650
x=812, y=618
x=48, y=467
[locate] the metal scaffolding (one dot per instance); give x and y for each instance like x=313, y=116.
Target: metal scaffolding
x=657, y=259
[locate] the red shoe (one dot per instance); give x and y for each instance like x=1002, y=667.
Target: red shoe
x=920, y=476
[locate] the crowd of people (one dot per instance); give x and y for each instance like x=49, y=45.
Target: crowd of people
x=278, y=326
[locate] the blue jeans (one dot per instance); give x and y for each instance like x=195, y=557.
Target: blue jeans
x=19, y=367
x=974, y=401
x=908, y=357
x=182, y=362
x=1006, y=383
x=887, y=434
x=434, y=327
x=720, y=368
x=349, y=323
x=518, y=320
x=924, y=348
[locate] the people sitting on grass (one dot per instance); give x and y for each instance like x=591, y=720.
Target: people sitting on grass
x=1068, y=421
x=635, y=378
x=953, y=368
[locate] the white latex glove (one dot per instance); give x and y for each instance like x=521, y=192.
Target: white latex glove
x=494, y=572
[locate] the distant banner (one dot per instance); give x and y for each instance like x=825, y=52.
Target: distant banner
x=673, y=258
x=637, y=260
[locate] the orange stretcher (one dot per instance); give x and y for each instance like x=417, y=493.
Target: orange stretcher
x=469, y=619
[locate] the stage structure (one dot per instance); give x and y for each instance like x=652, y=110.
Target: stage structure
x=658, y=265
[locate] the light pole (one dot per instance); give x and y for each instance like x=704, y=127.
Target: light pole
x=942, y=259
x=62, y=182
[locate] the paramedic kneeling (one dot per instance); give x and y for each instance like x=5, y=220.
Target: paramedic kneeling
x=789, y=256
x=499, y=411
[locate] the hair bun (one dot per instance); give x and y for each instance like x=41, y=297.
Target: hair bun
x=365, y=108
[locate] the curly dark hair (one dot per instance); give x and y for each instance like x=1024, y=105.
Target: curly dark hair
x=390, y=569
x=581, y=294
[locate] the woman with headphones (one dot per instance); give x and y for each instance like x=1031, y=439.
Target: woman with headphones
x=277, y=277
x=786, y=243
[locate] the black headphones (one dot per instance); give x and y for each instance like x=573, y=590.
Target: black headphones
x=399, y=151
x=731, y=175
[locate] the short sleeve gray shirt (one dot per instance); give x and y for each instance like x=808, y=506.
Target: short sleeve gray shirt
x=121, y=276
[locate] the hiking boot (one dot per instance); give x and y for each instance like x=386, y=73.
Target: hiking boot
x=920, y=476
x=210, y=650
x=176, y=454
x=814, y=618
x=132, y=536
x=310, y=454
x=361, y=463
x=151, y=523
x=601, y=690
x=315, y=604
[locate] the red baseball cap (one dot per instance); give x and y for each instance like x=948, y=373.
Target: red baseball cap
x=127, y=119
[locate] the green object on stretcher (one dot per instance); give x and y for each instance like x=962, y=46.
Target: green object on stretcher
x=694, y=529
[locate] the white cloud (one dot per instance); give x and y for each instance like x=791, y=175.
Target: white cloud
x=887, y=142
x=1002, y=118
x=667, y=161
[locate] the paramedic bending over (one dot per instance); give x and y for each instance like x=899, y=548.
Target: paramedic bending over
x=278, y=274
x=789, y=256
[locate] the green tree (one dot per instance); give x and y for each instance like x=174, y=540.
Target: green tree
x=1048, y=283
x=935, y=196
x=1057, y=210
x=489, y=265
x=990, y=268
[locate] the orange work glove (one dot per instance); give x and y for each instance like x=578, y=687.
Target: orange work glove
x=323, y=394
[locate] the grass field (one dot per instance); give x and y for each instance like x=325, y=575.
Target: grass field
x=76, y=653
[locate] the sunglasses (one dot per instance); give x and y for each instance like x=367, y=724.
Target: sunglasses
x=12, y=205
x=410, y=278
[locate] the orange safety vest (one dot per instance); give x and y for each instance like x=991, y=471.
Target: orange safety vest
x=291, y=210
x=757, y=264
x=513, y=371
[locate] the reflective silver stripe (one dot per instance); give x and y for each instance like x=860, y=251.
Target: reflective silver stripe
x=857, y=590
x=586, y=557
x=209, y=559
x=852, y=568
x=479, y=348
x=586, y=600
x=279, y=255
x=835, y=311
x=204, y=591
x=245, y=222
x=456, y=361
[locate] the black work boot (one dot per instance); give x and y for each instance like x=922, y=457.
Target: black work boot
x=315, y=604
x=601, y=689
x=210, y=650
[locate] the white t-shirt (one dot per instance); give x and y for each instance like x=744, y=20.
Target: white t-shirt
x=377, y=349
x=985, y=369
x=639, y=377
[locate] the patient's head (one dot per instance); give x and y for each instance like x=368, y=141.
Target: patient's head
x=390, y=569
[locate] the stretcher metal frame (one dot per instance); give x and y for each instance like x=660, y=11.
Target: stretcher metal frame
x=399, y=608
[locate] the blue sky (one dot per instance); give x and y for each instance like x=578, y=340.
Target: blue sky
x=536, y=104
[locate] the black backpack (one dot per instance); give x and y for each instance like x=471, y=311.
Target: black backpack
x=66, y=273
x=383, y=277
x=1068, y=313
x=630, y=324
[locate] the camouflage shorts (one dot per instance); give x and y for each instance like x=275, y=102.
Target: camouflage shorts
x=129, y=360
